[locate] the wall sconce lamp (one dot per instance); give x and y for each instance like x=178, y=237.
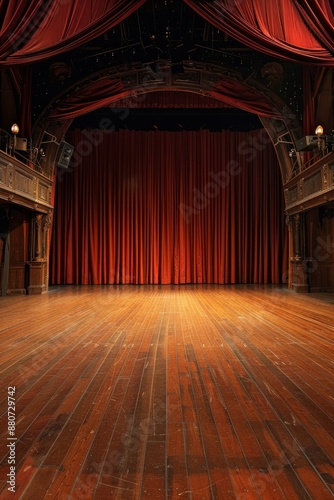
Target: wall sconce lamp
x=322, y=142
x=15, y=130
x=319, y=133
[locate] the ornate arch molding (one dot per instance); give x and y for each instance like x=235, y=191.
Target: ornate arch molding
x=198, y=77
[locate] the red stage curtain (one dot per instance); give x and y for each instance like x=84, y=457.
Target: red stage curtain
x=107, y=91
x=92, y=96
x=242, y=96
x=275, y=27
x=19, y=20
x=170, y=98
x=169, y=207
x=319, y=16
x=33, y=30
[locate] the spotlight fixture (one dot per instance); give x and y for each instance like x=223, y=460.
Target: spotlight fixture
x=64, y=155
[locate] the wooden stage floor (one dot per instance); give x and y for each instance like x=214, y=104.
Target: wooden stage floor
x=167, y=392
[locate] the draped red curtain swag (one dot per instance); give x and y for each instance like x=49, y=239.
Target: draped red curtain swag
x=288, y=29
x=92, y=96
x=240, y=95
x=33, y=30
x=106, y=91
x=319, y=17
x=168, y=207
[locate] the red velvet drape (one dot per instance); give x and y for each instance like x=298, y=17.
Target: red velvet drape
x=170, y=98
x=107, y=90
x=169, y=207
x=319, y=17
x=279, y=28
x=32, y=30
x=92, y=96
x=19, y=20
x=239, y=94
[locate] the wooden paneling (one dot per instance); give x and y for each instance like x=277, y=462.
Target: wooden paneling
x=18, y=254
x=311, y=187
x=320, y=247
x=194, y=392
x=24, y=186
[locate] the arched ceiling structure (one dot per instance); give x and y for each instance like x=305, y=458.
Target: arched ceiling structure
x=93, y=54
x=128, y=84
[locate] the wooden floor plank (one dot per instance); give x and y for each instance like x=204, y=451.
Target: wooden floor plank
x=169, y=392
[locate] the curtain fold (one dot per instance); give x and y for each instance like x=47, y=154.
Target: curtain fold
x=19, y=21
x=108, y=91
x=92, y=96
x=239, y=94
x=170, y=98
x=318, y=15
x=169, y=207
x=276, y=28
x=34, y=30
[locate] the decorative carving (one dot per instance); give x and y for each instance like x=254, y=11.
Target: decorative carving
x=312, y=184
x=35, y=185
x=39, y=221
x=297, y=221
x=301, y=183
x=10, y=176
x=38, y=247
x=324, y=171
x=60, y=71
x=43, y=193
x=24, y=184
x=47, y=222
x=3, y=171
x=273, y=72
x=296, y=237
x=193, y=77
x=27, y=186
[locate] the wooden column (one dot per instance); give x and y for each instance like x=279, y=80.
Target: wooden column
x=38, y=237
x=299, y=264
x=38, y=265
x=4, y=261
x=16, y=252
x=288, y=277
x=47, y=224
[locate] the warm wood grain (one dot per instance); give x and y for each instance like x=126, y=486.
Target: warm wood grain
x=190, y=392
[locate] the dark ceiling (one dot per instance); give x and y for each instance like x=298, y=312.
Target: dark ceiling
x=165, y=30
x=181, y=119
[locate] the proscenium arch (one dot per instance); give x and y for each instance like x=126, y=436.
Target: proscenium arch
x=282, y=127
